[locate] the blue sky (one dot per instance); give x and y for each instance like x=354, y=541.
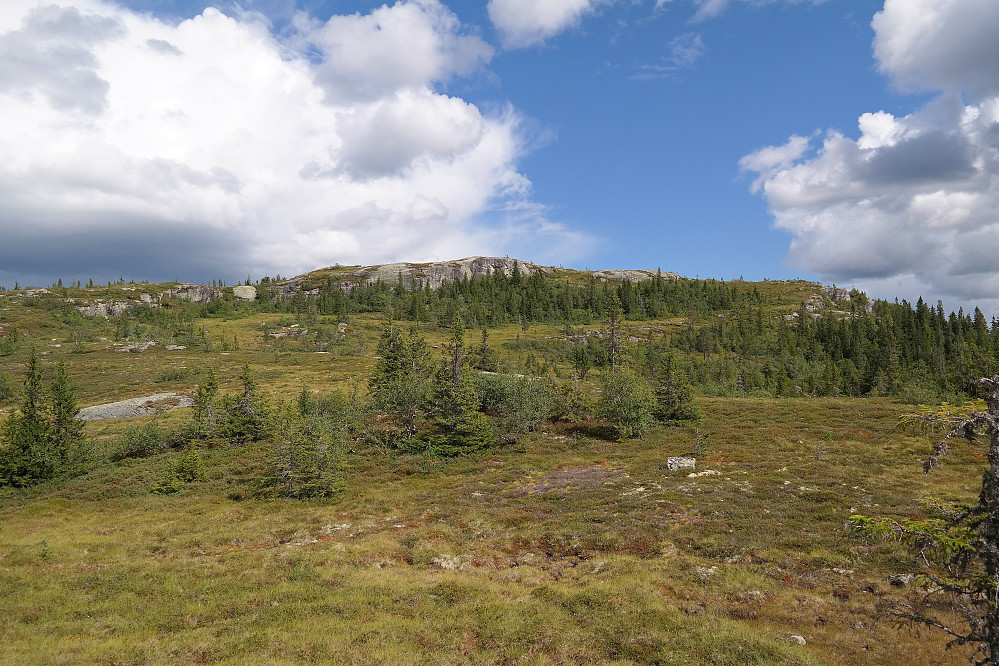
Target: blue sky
x=847, y=141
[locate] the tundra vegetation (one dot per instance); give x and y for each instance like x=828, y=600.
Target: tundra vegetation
x=478, y=474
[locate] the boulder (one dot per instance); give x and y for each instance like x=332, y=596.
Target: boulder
x=105, y=309
x=196, y=293
x=674, y=463
x=244, y=292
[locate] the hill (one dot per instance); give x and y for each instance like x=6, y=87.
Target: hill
x=563, y=543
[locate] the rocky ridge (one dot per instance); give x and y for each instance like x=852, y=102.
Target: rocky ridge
x=412, y=275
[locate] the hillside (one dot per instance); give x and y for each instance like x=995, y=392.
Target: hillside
x=567, y=541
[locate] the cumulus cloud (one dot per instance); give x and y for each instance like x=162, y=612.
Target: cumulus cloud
x=211, y=147
x=939, y=45
x=412, y=43
x=51, y=55
x=913, y=201
x=525, y=23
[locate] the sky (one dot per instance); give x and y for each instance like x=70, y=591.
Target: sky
x=853, y=142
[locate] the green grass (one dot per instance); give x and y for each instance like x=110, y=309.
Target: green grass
x=566, y=548
x=570, y=550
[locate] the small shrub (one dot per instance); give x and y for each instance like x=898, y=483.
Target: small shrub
x=169, y=486
x=144, y=441
x=306, y=458
x=174, y=375
x=7, y=388
x=188, y=468
x=628, y=403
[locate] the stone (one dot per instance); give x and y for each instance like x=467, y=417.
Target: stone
x=836, y=294
x=136, y=347
x=108, y=309
x=900, y=580
x=674, y=463
x=134, y=407
x=195, y=293
x=244, y=292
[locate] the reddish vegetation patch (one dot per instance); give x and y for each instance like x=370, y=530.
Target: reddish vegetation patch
x=569, y=477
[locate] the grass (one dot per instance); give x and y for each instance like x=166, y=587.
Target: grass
x=572, y=550
x=567, y=548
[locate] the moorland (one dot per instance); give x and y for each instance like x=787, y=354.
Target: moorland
x=476, y=471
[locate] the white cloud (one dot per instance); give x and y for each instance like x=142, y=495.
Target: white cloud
x=525, y=23
x=51, y=55
x=212, y=145
x=914, y=200
x=770, y=160
x=413, y=43
x=939, y=45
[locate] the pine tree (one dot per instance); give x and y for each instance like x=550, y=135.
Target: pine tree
x=674, y=395
x=67, y=431
x=613, y=323
x=454, y=405
x=29, y=456
x=305, y=460
x=245, y=413
x=205, y=410
x=400, y=378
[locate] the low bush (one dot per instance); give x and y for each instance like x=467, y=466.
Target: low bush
x=144, y=441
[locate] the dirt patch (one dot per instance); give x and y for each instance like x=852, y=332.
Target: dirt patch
x=568, y=478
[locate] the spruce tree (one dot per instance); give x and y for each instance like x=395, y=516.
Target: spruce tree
x=454, y=405
x=246, y=412
x=205, y=403
x=305, y=460
x=400, y=378
x=674, y=395
x=68, y=441
x=613, y=324
x=28, y=456
x=485, y=357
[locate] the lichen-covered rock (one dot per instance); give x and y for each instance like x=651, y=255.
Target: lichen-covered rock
x=244, y=292
x=196, y=293
x=106, y=309
x=674, y=463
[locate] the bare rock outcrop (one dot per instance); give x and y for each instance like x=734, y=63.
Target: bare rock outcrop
x=196, y=293
x=134, y=407
x=105, y=308
x=632, y=276
x=836, y=294
x=244, y=292
x=435, y=274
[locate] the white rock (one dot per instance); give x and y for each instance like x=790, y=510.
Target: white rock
x=244, y=292
x=680, y=462
x=707, y=472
